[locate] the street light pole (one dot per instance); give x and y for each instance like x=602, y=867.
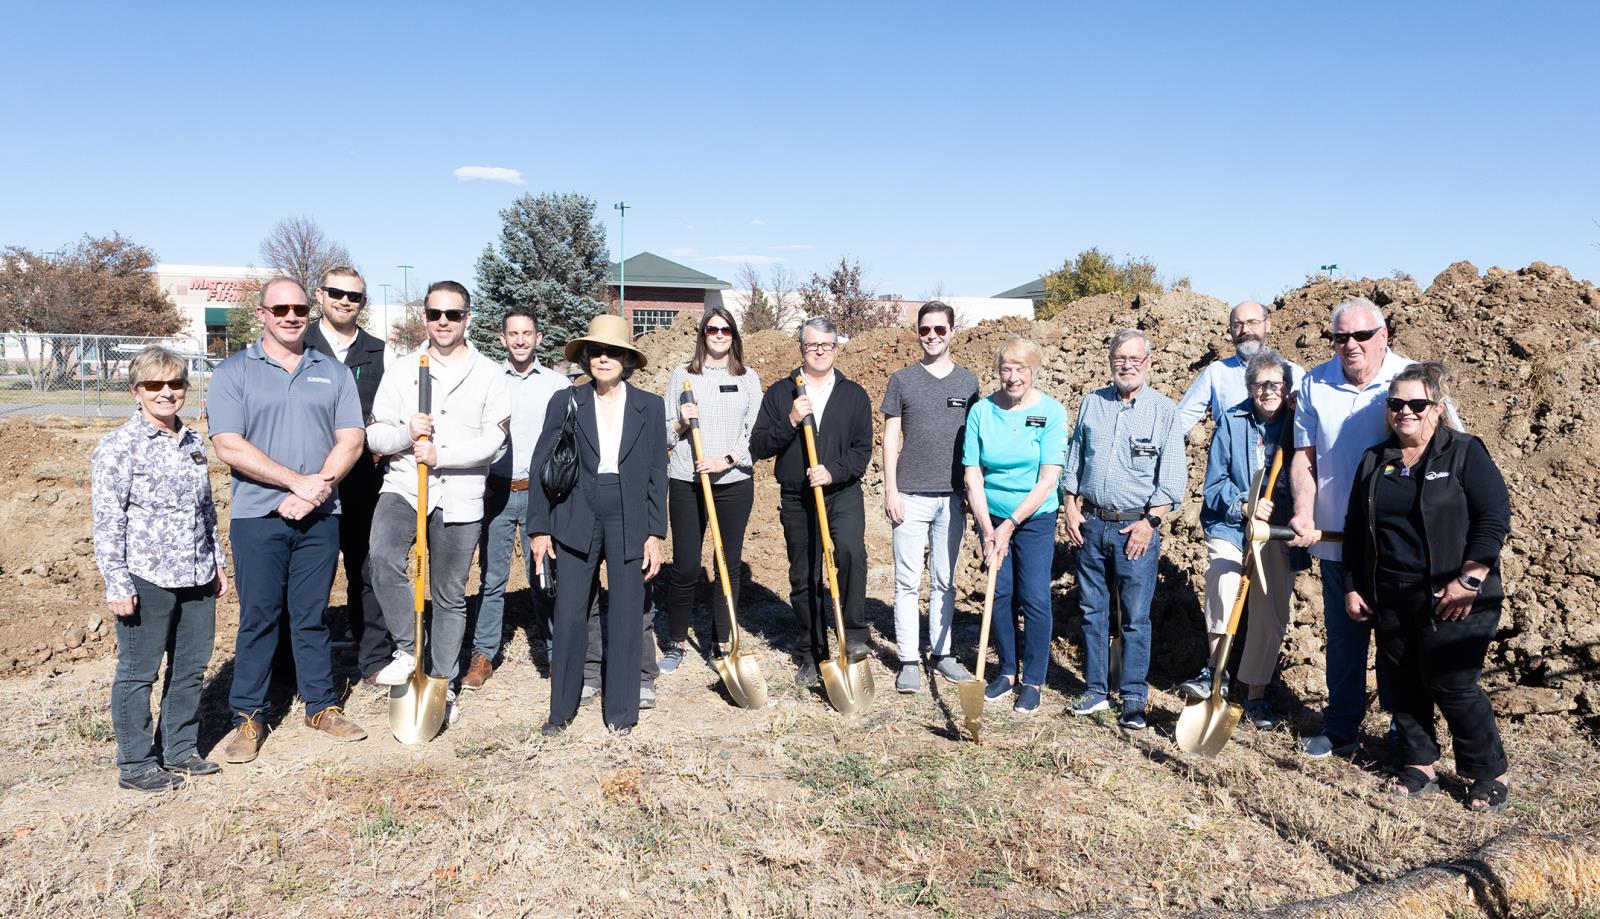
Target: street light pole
x=1329, y=270
x=622, y=255
x=385, y=310
x=405, y=291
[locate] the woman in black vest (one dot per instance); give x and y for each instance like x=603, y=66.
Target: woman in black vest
x=1428, y=516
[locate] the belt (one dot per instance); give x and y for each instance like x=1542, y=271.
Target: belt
x=513, y=484
x=1109, y=513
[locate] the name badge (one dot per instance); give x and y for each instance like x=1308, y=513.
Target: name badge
x=728, y=387
x=955, y=402
x=1143, y=447
x=199, y=457
x=318, y=380
x=1035, y=421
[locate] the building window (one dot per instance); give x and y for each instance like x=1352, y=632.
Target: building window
x=646, y=321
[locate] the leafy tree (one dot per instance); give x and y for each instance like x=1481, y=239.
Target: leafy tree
x=551, y=256
x=847, y=300
x=1093, y=272
x=298, y=248
x=243, y=326
x=758, y=310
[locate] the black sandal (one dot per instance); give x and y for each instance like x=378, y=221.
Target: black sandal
x=1414, y=783
x=1488, y=796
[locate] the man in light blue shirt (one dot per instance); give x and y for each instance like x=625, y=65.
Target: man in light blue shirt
x=1220, y=386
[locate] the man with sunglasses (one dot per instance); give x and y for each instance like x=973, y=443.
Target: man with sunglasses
x=1339, y=414
x=288, y=420
x=338, y=334
x=925, y=413
x=1220, y=386
x=462, y=432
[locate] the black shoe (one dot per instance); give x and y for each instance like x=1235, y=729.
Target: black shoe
x=551, y=729
x=154, y=780
x=806, y=675
x=857, y=649
x=194, y=765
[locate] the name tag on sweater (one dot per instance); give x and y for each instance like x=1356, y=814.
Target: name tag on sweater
x=1035, y=421
x=728, y=387
x=957, y=402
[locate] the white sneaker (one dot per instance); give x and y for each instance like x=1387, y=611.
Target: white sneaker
x=452, y=711
x=397, y=671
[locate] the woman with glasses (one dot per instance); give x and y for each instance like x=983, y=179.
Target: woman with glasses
x=616, y=513
x=1247, y=437
x=158, y=548
x=1428, y=515
x=726, y=397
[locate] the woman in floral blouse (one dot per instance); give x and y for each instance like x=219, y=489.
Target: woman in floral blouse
x=158, y=548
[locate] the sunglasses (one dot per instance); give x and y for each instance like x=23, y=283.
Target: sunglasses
x=1417, y=406
x=608, y=351
x=354, y=296
x=724, y=331
x=1340, y=338
x=283, y=309
x=155, y=386
x=938, y=330
x=452, y=315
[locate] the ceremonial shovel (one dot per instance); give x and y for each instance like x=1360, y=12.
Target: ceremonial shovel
x=738, y=668
x=416, y=707
x=972, y=690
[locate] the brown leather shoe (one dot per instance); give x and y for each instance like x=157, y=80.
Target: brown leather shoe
x=479, y=673
x=246, y=741
x=332, y=722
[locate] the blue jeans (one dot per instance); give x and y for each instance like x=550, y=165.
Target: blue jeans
x=1346, y=661
x=282, y=566
x=1023, y=585
x=1100, y=563
x=179, y=623
x=504, y=513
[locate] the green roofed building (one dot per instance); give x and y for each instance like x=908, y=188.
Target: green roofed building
x=659, y=289
x=1033, y=290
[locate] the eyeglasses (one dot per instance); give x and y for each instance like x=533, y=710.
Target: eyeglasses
x=1267, y=386
x=452, y=315
x=608, y=351
x=1248, y=323
x=155, y=386
x=354, y=296
x=1340, y=338
x=719, y=331
x=1129, y=361
x=1417, y=406
x=283, y=309
x=819, y=347
x=938, y=330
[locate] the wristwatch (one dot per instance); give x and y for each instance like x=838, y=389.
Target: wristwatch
x=1153, y=519
x=731, y=463
x=1471, y=583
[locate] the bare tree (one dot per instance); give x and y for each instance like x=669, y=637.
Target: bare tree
x=298, y=248
x=757, y=306
x=412, y=330
x=845, y=298
x=781, y=287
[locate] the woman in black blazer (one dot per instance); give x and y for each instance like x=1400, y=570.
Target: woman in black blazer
x=616, y=512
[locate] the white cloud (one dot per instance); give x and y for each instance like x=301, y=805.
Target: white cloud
x=758, y=222
x=739, y=259
x=490, y=174
x=796, y=247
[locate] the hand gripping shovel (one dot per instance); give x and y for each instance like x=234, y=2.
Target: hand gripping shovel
x=1205, y=725
x=848, y=680
x=738, y=668
x=972, y=690
x=416, y=707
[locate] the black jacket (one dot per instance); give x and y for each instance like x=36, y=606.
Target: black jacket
x=365, y=360
x=844, y=438
x=641, y=464
x=1466, y=513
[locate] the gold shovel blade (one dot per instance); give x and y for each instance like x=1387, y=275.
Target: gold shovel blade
x=849, y=684
x=972, y=706
x=742, y=676
x=1205, y=725
x=416, y=708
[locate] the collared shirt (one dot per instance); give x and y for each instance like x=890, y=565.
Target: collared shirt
x=1219, y=386
x=820, y=396
x=531, y=394
x=728, y=409
x=608, y=426
x=153, y=515
x=1009, y=445
x=1340, y=420
x=340, y=346
x=291, y=417
x=1126, y=455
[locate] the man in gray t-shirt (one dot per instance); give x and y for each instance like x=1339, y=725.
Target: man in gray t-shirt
x=925, y=410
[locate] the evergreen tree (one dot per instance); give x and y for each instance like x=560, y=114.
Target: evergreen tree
x=552, y=257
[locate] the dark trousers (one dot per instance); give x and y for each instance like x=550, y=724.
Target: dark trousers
x=179, y=623
x=358, y=498
x=1434, y=664
x=282, y=566
x=1022, y=585
x=808, y=589
x=686, y=512
x=576, y=568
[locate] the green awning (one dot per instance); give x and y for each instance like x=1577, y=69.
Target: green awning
x=217, y=315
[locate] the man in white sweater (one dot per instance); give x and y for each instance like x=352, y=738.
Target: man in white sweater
x=457, y=439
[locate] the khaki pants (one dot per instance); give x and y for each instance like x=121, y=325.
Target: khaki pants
x=1269, y=616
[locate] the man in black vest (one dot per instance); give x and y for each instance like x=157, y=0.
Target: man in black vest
x=338, y=333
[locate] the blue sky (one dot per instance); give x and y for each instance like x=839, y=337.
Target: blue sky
x=963, y=146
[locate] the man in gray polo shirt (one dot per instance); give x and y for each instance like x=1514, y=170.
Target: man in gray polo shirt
x=925, y=412
x=288, y=420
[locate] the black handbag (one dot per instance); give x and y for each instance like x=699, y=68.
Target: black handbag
x=560, y=472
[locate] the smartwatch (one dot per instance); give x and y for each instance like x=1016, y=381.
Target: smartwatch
x=731, y=462
x=1471, y=583
x=1153, y=519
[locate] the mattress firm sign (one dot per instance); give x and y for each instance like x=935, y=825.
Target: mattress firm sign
x=224, y=290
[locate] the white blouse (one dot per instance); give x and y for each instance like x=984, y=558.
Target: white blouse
x=610, y=430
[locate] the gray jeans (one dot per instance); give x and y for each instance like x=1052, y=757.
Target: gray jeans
x=450, y=548
x=179, y=624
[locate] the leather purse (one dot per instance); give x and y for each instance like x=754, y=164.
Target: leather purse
x=560, y=472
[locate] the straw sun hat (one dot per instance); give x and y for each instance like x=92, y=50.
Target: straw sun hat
x=605, y=329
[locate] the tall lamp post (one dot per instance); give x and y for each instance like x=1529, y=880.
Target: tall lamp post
x=621, y=207
x=1329, y=270
x=385, y=310
x=405, y=290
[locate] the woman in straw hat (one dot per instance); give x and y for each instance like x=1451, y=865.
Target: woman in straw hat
x=616, y=512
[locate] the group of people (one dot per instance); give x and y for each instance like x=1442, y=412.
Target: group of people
x=327, y=438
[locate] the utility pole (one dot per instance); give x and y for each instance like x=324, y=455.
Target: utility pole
x=385, y=310
x=621, y=207
x=405, y=290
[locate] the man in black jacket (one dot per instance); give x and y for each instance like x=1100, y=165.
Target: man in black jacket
x=338, y=334
x=843, y=415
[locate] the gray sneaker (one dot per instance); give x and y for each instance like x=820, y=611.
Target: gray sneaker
x=909, y=680
x=588, y=695
x=647, y=697
x=1322, y=746
x=1260, y=714
x=951, y=669
x=671, y=658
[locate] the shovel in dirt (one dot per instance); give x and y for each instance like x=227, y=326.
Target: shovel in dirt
x=416, y=707
x=847, y=679
x=740, y=672
x=972, y=690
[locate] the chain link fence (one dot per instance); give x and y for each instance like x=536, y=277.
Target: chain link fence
x=87, y=375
